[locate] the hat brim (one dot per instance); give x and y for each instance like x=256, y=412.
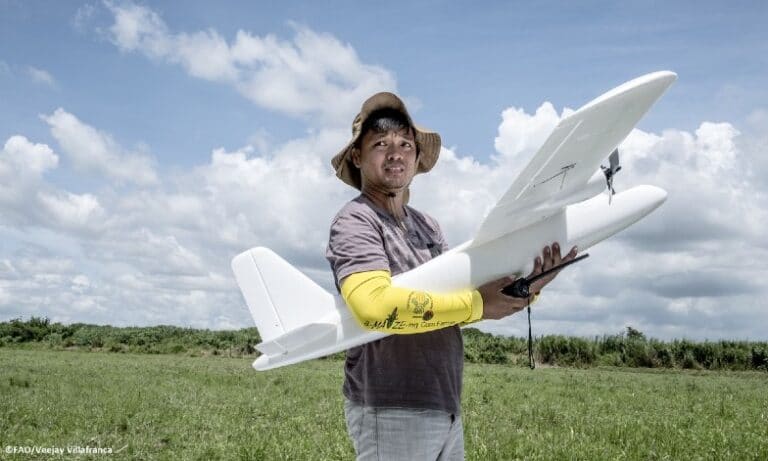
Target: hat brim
x=428, y=142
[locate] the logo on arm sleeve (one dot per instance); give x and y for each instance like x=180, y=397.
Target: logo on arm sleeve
x=389, y=323
x=419, y=303
x=391, y=318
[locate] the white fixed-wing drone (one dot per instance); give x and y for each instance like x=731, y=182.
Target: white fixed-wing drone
x=556, y=198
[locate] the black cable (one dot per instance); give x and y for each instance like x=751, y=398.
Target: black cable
x=520, y=288
x=531, y=361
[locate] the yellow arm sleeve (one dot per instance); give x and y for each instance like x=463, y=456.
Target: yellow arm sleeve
x=378, y=306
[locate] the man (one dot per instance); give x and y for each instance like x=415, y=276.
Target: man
x=402, y=393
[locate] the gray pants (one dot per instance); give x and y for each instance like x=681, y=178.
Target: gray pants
x=404, y=433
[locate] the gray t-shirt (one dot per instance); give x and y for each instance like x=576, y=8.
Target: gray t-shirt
x=421, y=370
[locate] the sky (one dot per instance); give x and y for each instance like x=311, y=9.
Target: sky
x=144, y=144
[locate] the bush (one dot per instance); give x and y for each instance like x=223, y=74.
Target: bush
x=760, y=357
x=54, y=340
x=664, y=355
x=87, y=337
x=561, y=350
x=482, y=347
x=638, y=353
x=177, y=348
x=35, y=329
x=689, y=361
x=611, y=359
x=113, y=346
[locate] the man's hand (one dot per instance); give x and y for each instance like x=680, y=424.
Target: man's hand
x=497, y=305
x=550, y=257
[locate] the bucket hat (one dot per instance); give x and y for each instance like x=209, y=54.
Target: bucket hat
x=428, y=142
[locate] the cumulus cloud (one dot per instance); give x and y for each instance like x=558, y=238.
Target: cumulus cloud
x=263, y=192
x=68, y=210
x=713, y=194
x=165, y=249
x=27, y=199
x=521, y=134
x=41, y=76
x=458, y=191
x=21, y=156
x=313, y=74
x=690, y=265
x=754, y=144
x=157, y=248
x=94, y=151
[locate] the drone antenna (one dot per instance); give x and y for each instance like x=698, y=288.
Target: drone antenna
x=521, y=287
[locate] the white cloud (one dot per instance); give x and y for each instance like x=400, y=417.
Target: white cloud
x=161, y=254
x=94, y=151
x=27, y=199
x=22, y=165
x=521, y=134
x=458, y=191
x=314, y=74
x=83, y=16
x=157, y=249
x=41, y=76
x=263, y=193
x=26, y=158
x=712, y=193
x=80, y=283
x=165, y=250
x=754, y=144
x=684, y=268
x=153, y=252
x=74, y=211
x=5, y=297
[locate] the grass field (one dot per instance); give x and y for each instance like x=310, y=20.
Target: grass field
x=208, y=408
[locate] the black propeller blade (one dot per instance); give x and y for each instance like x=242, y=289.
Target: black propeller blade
x=611, y=170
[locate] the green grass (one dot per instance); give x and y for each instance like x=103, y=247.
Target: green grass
x=614, y=414
x=208, y=408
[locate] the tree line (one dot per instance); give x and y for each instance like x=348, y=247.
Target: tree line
x=162, y=339
x=629, y=348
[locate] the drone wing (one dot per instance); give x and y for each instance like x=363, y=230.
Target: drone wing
x=566, y=169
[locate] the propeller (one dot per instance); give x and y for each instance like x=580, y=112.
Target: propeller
x=610, y=170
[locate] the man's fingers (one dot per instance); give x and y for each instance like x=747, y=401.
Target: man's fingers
x=556, y=258
x=498, y=306
x=536, y=268
x=547, y=257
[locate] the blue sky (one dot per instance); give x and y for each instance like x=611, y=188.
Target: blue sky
x=153, y=157
x=457, y=59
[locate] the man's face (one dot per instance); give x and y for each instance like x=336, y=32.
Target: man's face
x=387, y=160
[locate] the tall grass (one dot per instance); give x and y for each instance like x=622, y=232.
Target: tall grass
x=626, y=349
